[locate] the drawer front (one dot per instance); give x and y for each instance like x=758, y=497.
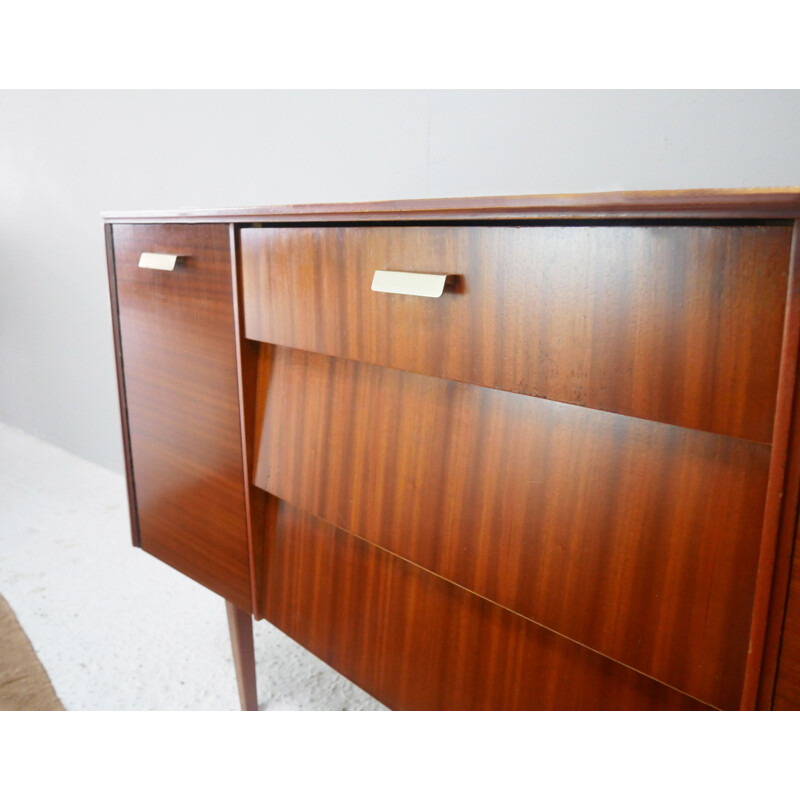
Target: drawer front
x=676, y=324
x=635, y=538
x=417, y=642
x=181, y=391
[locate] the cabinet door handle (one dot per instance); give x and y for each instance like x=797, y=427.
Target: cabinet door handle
x=158, y=261
x=421, y=284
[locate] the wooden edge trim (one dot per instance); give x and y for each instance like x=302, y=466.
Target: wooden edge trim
x=787, y=542
x=781, y=501
x=781, y=203
x=238, y=326
x=123, y=404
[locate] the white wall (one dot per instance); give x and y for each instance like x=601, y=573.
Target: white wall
x=64, y=157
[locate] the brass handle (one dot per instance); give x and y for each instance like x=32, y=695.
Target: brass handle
x=163, y=261
x=420, y=284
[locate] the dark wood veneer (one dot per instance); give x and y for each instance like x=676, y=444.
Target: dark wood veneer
x=776, y=203
x=417, y=642
x=778, y=631
x=240, y=625
x=570, y=482
x=178, y=342
x=787, y=687
x=246, y=366
x=123, y=409
x=674, y=324
x=636, y=538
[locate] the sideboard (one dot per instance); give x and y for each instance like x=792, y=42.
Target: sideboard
x=486, y=453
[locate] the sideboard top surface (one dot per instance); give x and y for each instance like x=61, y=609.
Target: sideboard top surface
x=772, y=203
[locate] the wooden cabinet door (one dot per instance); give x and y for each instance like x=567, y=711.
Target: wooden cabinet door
x=178, y=361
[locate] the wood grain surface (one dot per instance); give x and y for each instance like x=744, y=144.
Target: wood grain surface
x=636, y=538
x=780, y=511
x=569, y=482
x=178, y=352
x=673, y=324
x=240, y=627
x=123, y=401
x=787, y=675
x=787, y=686
x=247, y=353
x=757, y=203
x=415, y=641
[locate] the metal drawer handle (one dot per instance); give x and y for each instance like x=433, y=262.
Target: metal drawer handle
x=421, y=284
x=158, y=261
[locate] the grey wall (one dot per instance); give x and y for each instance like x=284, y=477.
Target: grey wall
x=64, y=157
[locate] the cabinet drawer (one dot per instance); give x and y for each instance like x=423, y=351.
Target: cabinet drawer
x=179, y=360
x=677, y=324
x=417, y=642
x=637, y=539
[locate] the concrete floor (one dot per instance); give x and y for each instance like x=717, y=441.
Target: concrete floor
x=115, y=628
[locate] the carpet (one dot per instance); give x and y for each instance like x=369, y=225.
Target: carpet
x=24, y=685
x=115, y=628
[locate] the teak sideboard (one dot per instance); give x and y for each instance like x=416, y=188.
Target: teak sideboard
x=491, y=453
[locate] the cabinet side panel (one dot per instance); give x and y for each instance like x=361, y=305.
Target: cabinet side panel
x=123, y=408
x=787, y=687
x=179, y=358
x=780, y=514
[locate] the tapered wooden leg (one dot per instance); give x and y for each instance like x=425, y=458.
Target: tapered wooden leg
x=240, y=624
